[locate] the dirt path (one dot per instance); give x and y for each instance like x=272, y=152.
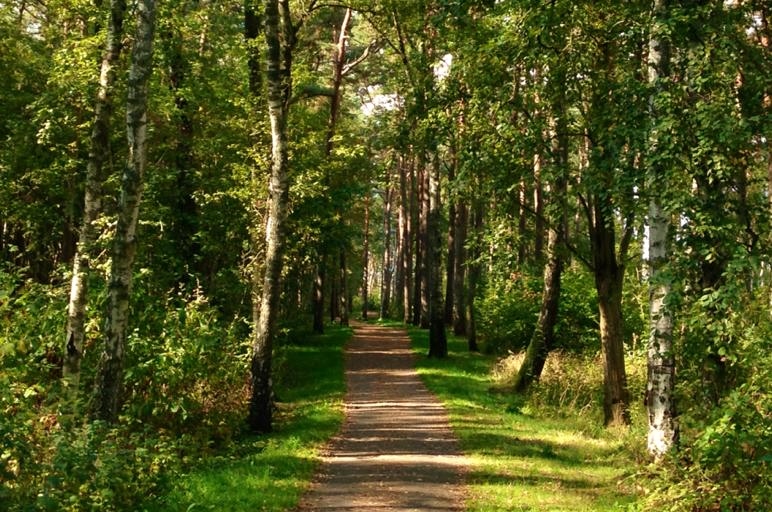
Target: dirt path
x=396, y=451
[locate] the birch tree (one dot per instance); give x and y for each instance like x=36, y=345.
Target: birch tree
x=99, y=154
x=663, y=429
x=279, y=35
x=110, y=372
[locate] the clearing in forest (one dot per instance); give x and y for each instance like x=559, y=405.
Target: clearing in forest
x=396, y=450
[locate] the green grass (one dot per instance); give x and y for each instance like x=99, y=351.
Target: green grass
x=270, y=472
x=524, y=460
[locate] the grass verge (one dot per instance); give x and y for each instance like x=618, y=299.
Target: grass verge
x=270, y=472
x=522, y=459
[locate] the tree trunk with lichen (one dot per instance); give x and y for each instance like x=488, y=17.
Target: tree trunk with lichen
x=278, y=79
x=660, y=382
x=109, y=377
x=99, y=154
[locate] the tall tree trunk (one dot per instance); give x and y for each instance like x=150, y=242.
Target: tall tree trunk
x=660, y=383
x=366, y=261
x=475, y=272
x=407, y=233
x=318, y=295
x=253, y=25
x=387, y=255
x=109, y=378
x=538, y=207
x=344, y=292
x=425, y=234
x=418, y=230
x=543, y=337
x=402, y=243
x=334, y=294
x=264, y=333
x=538, y=192
x=339, y=59
x=521, y=222
x=99, y=153
x=609, y=278
x=438, y=341
x=450, y=272
x=459, y=276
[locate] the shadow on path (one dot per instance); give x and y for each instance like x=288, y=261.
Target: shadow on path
x=396, y=451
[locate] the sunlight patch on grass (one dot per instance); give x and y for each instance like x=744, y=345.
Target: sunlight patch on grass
x=523, y=459
x=270, y=472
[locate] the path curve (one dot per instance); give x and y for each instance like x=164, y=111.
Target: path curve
x=396, y=451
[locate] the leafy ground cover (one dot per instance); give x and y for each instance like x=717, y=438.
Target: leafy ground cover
x=524, y=458
x=263, y=473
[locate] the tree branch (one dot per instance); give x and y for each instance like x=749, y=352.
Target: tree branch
x=311, y=91
x=374, y=45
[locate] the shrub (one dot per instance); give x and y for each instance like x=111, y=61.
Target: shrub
x=725, y=452
x=508, y=313
x=184, y=383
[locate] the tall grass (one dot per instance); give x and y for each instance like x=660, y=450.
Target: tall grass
x=544, y=451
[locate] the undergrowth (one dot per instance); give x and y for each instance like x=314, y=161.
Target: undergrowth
x=185, y=390
x=545, y=451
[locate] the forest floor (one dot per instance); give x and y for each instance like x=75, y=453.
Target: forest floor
x=396, y=450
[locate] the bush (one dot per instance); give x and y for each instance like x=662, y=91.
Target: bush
x=184, y=395
x=508, y=313
x=725, y=452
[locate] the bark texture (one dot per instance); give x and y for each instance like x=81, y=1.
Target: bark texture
x=109, y=376
x=99, y=154
x=279, y=86
x=663, y=430
x=609, y=276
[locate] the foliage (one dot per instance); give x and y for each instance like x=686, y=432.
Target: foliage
x=508, y=314
x=520, y=70
x=185, y=396
x=269, y=473
x=723, y=461
x=181, y=401
x=509, y=310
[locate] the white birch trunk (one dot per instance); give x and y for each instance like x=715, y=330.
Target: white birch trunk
x=109, y=378
x=661, y=372
x=260, y=404
x=99, y=153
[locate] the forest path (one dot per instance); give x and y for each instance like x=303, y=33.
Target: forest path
x=396, y=451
